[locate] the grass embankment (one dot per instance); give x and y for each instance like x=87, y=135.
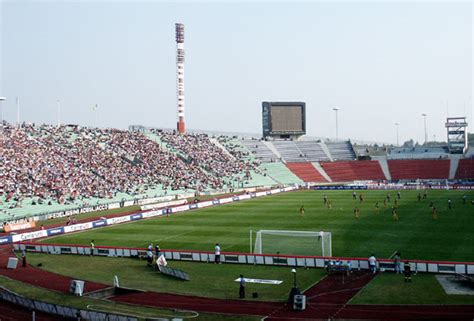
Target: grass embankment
x=207, y=279
x=108, y=306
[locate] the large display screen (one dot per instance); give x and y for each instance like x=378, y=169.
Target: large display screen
x=283, y=118
x=287, y=119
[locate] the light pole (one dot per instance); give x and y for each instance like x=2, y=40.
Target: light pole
x=337, y=130
x=1, y=110
x=58, y=103
x=397, y=124
x=18, y=111
x=426, y=135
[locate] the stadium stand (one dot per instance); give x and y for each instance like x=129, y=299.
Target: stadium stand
x=289, y=151
x=280, y=173
x=341, y=150
x=260, y=150
x=465, y=169
x=366, y=150
x=345, y=171
x=64, y=167
x=48, y=168
x=418, y=153
x=312, y=151
x=419, y=169
x=306, y=171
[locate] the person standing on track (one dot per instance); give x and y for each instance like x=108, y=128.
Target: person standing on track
x=242, y=287
x=407, y=271
x=372, y=263
x=157, y=251
x=397, y=262
x=92, y=247
x=217, y=254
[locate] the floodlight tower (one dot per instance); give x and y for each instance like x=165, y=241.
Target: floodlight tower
x=179, y=27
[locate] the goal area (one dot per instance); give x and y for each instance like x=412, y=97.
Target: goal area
x=293, y=243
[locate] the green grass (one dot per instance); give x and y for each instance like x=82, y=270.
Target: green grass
x=105, y=305
x=390, y=288
x=415, y=235
x=207, y=279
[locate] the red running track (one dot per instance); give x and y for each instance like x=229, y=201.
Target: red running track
x=199, y=304
x=325, y=300
x=327, y=297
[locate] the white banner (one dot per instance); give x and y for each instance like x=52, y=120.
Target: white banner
x=244, y=197
x=161, y=261
x=152, y=213
x=114, y=205
x=77, y=227
x=119, y=219
x=128, y=203
x=180, y=208
x=225, y=200
x=164, y=204
x=205, y=204
x=155, y=200
x=261, y=281
x=258, y=194
x=29, y=236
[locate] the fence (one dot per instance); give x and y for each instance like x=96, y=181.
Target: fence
x=250, y=258
x=61, y=310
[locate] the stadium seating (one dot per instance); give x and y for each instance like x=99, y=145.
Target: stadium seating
x=353, y=170
x=312, y=151
x=465, y=169
x=419, y=169
x=260, y=150
x=306, y=171
x=418, y=153
x=280, y=173
x=70, y=166
x=341, y=150
x=289, y=151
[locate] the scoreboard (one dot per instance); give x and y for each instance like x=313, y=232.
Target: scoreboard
x=283, y=119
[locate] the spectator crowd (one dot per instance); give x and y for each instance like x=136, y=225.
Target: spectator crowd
x=51, y=163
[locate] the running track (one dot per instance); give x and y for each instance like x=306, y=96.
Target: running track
x=326, y=300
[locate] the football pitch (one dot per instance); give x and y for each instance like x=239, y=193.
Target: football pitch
x=415, y=234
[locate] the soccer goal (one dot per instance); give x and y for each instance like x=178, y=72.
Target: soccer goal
x=293, y=242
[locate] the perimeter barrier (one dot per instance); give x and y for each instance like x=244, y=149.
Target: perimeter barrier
x=61, y=310
x=13, y=238
x=447, y=267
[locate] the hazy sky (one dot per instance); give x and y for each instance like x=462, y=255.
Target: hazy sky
x=380, y=63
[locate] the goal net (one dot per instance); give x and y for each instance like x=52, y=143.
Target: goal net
x=293, y=242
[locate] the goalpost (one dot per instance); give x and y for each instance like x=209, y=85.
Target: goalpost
x=293, y=242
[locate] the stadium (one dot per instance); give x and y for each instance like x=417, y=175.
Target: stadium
x=149, y=223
